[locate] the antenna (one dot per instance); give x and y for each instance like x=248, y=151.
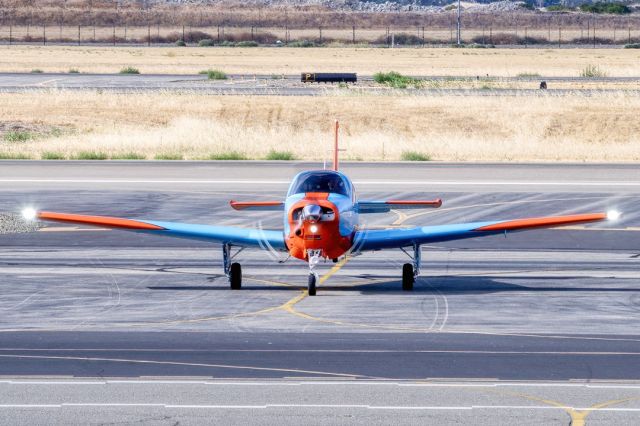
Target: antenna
x=335, y=147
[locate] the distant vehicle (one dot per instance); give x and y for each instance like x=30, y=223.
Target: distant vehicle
x=321, y=221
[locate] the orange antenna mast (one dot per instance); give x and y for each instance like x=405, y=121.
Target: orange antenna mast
x=335, y=147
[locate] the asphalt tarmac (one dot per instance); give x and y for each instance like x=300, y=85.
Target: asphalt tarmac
x=538, y=327
x=282, y=85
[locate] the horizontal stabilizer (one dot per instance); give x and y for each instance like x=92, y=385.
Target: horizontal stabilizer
x=385, y=206
x=257, y=205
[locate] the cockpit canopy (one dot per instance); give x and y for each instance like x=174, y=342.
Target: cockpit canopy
x=321, y=181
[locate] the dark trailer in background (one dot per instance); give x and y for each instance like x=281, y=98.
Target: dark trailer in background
x=329, y=77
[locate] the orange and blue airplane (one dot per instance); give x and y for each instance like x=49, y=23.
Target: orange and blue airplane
x=321, y=221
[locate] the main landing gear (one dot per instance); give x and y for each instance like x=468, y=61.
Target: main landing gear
x=410, y=271
x=233, y=271
x=314, y=259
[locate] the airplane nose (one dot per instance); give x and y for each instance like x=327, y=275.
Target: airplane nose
x=312, y=212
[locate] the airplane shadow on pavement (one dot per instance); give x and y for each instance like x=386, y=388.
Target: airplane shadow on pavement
x=436, y=284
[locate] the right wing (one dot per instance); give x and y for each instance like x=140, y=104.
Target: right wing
x=243, y=237
x=377, y=239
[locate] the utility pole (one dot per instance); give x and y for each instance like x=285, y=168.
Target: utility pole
x=459, y=41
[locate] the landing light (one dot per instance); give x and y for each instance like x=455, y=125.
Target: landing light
x=313, y=229
x=613, y=215
x=29, y=213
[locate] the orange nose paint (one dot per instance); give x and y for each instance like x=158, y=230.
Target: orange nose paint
x=323, y=235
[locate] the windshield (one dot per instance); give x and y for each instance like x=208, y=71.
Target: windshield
x=319, y=182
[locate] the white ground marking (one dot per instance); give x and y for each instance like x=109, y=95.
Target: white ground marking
x=357, y=182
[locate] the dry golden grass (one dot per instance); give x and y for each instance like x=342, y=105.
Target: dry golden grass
x=366, y=61
x=539, y=128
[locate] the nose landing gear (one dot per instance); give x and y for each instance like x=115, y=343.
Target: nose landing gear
x=314, y=259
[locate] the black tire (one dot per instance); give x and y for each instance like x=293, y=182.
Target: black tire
x=235, y=276
x=312, y=285
x=407, y=277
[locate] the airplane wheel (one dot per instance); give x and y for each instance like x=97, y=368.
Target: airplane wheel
x=235, y=276
x=407, y=277
x=312, y=285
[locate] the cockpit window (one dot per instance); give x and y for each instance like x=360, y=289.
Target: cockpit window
x=320, y=182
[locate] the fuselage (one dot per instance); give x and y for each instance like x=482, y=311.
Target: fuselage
x=320, y=214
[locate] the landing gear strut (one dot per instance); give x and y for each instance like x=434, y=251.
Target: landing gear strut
x=314, y=259
x=410, y=271
x=233, y=271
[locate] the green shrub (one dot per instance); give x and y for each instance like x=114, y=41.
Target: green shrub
x=207, y=42
x=17, y=136
x=395, y=79
x=128, y=156
x=129, y=70
x=632, y=46
x=592, y=71
x=215, y=75
x=74, y=71
x=180, y=43
x=231, y=155
x=302, y=43
x=13, y=156
x=414, y=156
x=168, y=156
x=228, y=43
x=615, y=8
x=36, y=71
x=280, y=155
x=52, y=156
x=247, y=43
x=90, y=155
x=528, y=74
x=559, y=8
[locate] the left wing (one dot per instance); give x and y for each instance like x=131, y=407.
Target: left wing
x=377, y=239
x=387, y=205
x=244, y=237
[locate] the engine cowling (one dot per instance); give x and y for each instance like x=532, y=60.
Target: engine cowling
x=314, y=224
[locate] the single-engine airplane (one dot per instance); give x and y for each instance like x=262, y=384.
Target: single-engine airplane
x=321, y=221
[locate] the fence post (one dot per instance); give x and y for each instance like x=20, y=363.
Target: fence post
x=125, y=33
x=490, y=35
x=320, y=30
x=525, y=37
x=353, y=36
x=11, y=34
x=78, y=35
x=183, y=33
x=148, y=35
x=44, y=34
x=451, y=31
x=559, y=36
x=423, y=36
x=594, y=33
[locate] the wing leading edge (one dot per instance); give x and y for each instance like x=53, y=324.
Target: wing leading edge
x=245, y=237
x=402, y=237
